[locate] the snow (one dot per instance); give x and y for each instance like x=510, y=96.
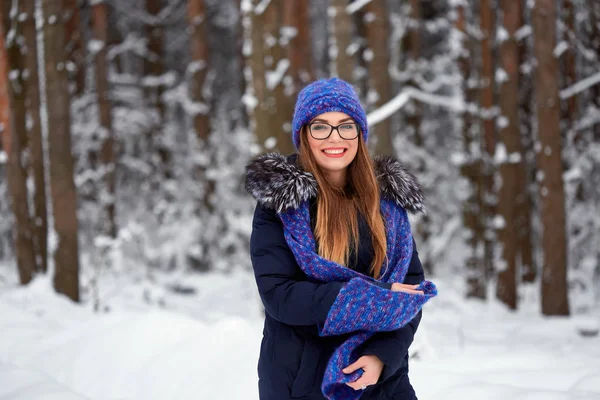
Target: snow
x=95, y=46
x=275, y=77
x=3, y=157
x=261, y=7
x=523, y=32
x=580, y=86
x=501, y=76
x=156, y=344
x=501, y=35
x=560, y=48
x=356, y=5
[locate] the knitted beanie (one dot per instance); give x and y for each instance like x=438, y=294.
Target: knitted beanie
x=323, y=96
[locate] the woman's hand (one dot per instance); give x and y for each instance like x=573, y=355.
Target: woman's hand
x=402, y=287
x=372, y=366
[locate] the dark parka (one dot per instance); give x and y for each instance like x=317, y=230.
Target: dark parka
x=293, y=357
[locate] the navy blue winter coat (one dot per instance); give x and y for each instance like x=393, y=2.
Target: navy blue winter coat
x=293, y=357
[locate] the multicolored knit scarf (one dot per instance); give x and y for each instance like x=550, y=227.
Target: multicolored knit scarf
x=361, y=307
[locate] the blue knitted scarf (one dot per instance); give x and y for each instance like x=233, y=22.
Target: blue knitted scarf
x=361, y=308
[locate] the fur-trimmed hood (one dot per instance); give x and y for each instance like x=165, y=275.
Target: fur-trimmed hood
x=277, y=182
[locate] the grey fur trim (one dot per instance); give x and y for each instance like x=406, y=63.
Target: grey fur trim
x=278, y=183
x=397, y=184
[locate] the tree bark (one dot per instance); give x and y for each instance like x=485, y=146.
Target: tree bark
x=341, y=64
x=471, y=169
x=299, y=49
x=489, y=133
x=552, y=197
x=412, y=47
x=377, y=29
x=570, y=72
x=107, y=155
x=64, y=196
x=513, y=166
x=12, y=125
x=279, y=115
x=74, y=43
x=154, y=64
x=199, y=53
x=529, y=268
x=256, y=83
x=37, y=171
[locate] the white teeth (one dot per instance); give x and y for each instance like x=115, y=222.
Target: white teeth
x=334, y=151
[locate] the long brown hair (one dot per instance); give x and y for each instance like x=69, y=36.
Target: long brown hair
x=336, y=228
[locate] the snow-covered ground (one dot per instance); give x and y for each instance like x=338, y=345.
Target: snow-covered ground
x=151, y=343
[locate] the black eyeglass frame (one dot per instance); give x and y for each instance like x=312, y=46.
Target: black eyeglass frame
x=332, y=128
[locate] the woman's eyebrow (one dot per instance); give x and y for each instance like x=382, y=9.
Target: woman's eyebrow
x=327, y=122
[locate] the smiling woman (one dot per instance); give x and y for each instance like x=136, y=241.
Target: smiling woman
x=334, y=259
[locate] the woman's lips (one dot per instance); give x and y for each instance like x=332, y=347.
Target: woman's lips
x=335, y=155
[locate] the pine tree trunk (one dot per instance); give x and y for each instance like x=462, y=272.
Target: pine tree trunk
x=277, y=102
x=299, y=49
x=552, y=196
x=12, y=124
x=31, y=86
x=100, y=32
x=412, y=47
x=377, y=29
x=570, y=70
x=471, y=169
x=593, y=9
x=487, y=15
x=154, y=65
x=256, y=86
x=513, y=166
x=197, y=22
x=341, y=64
x=529, y=268
x=74, y=43
x=64, y=196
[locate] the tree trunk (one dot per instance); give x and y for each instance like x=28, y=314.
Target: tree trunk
x=154, y=64
x=513, y=165
x=377, y=29
x=524, y=230
x=487, y=15
x=277, y=68
x=341, y=63
x=552, y=196
x=31, y=85
x=12, y=124
x=570, y=72
x=64, y=196
x=74, y=44
x=256, y=83
x=100, y=32
x=299, y=49
x=471, y=169
x=412, y=47
x=593, y=9
x=199, y=67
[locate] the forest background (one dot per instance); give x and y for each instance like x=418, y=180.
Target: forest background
x=125, y=127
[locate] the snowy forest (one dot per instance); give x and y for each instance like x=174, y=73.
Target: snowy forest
x=126, y=126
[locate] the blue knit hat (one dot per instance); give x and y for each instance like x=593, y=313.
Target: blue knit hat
x=323, y=96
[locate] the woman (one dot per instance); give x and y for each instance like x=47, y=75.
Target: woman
x=334, y=260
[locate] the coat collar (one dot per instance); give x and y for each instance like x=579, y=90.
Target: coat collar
x=277, y=182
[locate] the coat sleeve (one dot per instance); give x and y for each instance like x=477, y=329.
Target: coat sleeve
x=391, y=347
x=286, y=293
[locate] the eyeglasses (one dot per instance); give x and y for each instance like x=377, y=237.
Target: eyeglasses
x=322, y=130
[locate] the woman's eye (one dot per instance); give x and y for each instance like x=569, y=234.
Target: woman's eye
x=319, y=127
x=348, y=127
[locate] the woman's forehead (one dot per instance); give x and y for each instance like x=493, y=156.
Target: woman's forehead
x=332, y=117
